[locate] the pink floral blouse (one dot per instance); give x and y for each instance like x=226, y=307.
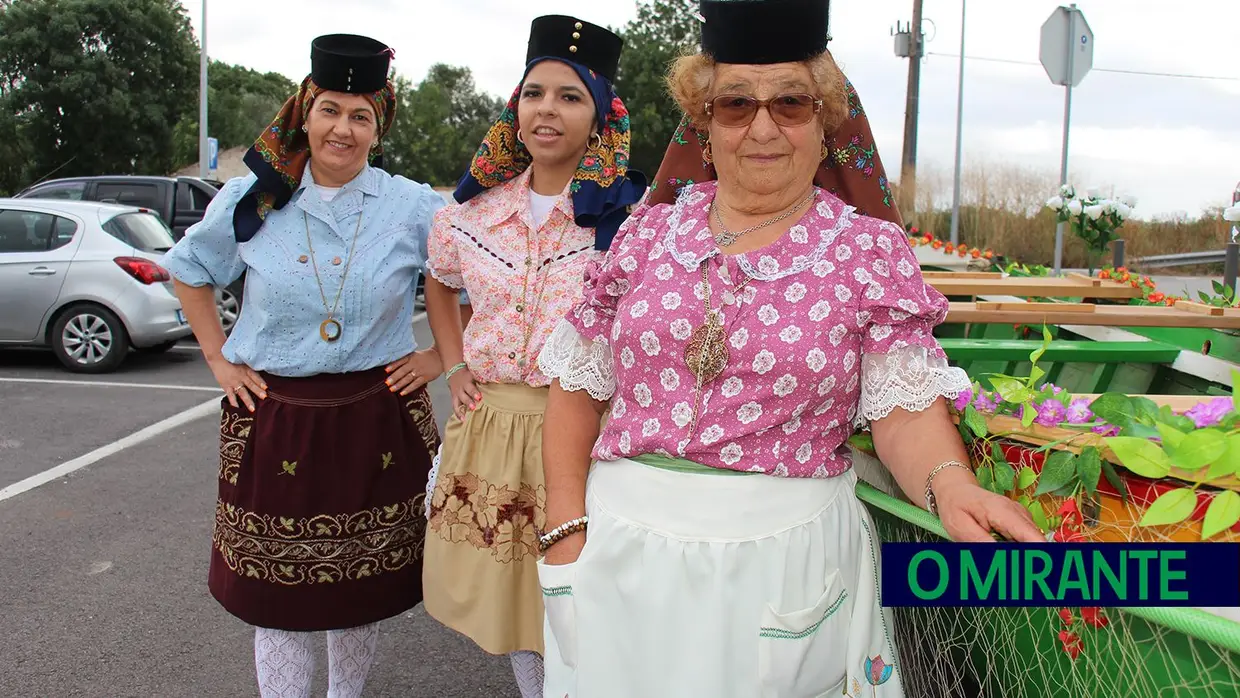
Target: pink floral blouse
x=832, y=329
x=521, y=278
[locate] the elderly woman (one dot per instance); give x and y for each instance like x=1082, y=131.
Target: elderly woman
x=715, y=546
x=327, y=433
x=544, y=196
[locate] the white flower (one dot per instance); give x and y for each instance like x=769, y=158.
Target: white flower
x=768, y=315
x=1129, y=200
x=826, y=386
x=749, y=412
x=650, y=427
x=850, y=360
x=642, y=392
x=619, y=407
x=884, y=243
x=905, y=268
x=627, y=358
x=1123, y=210
x=865, y=241
x=681, y=329
x=843, y=253
x=843, y=293
x=1074, y=207
x=798, y=233
x=626, y=442
x=740, y=338
x=822, y=268
x=820, y=311
x=682, y=414
x=639, y=309
x=1067, y=192
x=664, y=272
x=1092, y=193
x=1232, y=213
x=837, y=335
x=816, y=360
x=732, y=387
x=628, y=264
x=1054, y=203
x=1108, y=206
x=671, y=300
x=795, y=293
x=763, y=362
x=731, y=454
x=881, y=267
x=791, y=334
x=711, y=434
x=785, y=385
x=768, y=265
x=669, y=379
x=805, y=452
x=791, y=426
x=650, y=343
x=1094, y=212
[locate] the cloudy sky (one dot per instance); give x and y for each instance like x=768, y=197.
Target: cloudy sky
x=1174, y=142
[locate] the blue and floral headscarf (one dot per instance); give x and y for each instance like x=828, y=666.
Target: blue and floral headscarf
x=603, y=189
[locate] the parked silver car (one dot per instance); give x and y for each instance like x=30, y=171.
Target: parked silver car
x=84, y=278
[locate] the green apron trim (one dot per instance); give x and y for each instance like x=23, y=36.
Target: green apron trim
x=680, y=465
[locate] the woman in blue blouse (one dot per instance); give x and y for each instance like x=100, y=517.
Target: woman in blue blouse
x=327, y=432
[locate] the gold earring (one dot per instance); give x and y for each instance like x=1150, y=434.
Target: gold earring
x=826, y=151
x=596, y=142
x=707, y=155
x=519, y=138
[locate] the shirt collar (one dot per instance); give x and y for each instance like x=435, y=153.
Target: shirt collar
x=513, y=199
x=366, y=181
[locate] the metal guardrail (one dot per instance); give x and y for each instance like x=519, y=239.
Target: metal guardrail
x=1180, y=260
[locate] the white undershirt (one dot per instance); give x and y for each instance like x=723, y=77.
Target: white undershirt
x=540, y=207
x=328, y=193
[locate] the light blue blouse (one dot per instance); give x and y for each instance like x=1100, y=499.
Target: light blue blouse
x=282, y=308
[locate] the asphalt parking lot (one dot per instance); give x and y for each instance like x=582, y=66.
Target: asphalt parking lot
x=104, y=570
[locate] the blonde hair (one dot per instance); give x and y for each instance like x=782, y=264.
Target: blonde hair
x=690, y=82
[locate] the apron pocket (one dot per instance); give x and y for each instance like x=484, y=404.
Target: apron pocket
x=557, y=590
x=801, y=654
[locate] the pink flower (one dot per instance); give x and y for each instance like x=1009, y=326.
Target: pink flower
x=1209, y=414
x=962, y=401
x=1106, y=430
x=1051, y=413
x=1078, y=411
x=986, y=403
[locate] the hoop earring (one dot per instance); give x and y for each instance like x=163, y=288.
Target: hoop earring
x=826, y=151
x=708, y=156
x=597, y=142
x=519, y=138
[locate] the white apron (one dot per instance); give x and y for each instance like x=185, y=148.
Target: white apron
x=696, y=585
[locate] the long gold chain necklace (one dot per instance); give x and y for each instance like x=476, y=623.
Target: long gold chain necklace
x=331, y=329
x=707, y=353
x=726, y=238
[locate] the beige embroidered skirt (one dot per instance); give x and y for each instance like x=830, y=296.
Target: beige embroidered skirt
x=488, y=507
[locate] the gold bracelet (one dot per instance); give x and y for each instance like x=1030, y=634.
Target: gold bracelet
x=931, y=506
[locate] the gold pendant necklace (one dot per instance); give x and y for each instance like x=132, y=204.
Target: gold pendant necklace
x=707, y=353
x=330, y=329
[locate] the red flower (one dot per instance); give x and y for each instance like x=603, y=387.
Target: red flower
x=1104, y=274
x=1070, y=513
x=976, y=253
x=1071, y=643
x=937, y=244
x=950, y=248
x=1063, y=535
x=1065, y=614
x=989, y=254
x=1094, y=618
x=1157, y=297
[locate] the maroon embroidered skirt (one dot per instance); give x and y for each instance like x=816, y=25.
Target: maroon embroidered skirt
x=321, y=520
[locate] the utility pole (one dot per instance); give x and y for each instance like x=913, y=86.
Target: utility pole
x=203, y=154
x=959, y=134
x=908, y=167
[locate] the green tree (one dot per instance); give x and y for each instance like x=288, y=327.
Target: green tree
x=662, y=31
x=240, y=103
x=439, y=125
x=97, y=85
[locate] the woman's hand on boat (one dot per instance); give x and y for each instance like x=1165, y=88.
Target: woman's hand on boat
x=238, y=381
x=411, y=372
x=566, y=550
x=970, y=513
x=465, y=394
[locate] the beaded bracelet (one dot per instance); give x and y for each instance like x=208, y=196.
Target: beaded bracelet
x=452, y=371
x=562, y=531
x=931, y=505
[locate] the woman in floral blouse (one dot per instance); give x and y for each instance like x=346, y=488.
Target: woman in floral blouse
x=544, y=196
x=740, y=335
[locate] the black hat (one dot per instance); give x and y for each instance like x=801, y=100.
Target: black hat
x=559, y=36
x=349, y=63
x=764, y=31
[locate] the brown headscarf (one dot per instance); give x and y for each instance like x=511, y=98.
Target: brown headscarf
x=852, y=170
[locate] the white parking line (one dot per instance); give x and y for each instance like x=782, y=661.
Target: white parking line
x=112, y=384
x=205, y=409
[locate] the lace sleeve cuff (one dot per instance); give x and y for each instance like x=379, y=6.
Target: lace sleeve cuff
x=578, y=363
x=910, y=377
x=455, y=281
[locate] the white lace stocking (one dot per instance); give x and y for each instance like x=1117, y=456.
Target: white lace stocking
x=349, y=656
x=528, y=668
x=284, y=662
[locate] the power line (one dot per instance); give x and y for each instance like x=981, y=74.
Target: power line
x=1098, y=70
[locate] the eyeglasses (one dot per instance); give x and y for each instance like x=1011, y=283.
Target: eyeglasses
x=785, y=110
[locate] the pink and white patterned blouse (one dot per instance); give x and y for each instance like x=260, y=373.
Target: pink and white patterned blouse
x=833, y=329
x=520, y=277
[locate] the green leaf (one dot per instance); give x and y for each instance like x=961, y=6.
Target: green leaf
x=985, y=477
x=1005, y=477
x=1138, y=430
x=1011, y=389
x=1058, y=471
x=862, y=442
x=1171, y=438
x=1204, y=298
x=1199, y=449
x=975, y=421
x=1116, y=481
x=1146, y=409
x=1229, y=463
x=996, y=452
x=1142, y=457
x=1035, y=375
x=1039, y=516
x=1024, y=500
x=1029, y=414
x=1235, y=393
x=1089, y=468
x=1026, y=477
x=1114, y=408
x=1182, y=423
x=1223, y=513
x=1172, y=507
x=1218, y=287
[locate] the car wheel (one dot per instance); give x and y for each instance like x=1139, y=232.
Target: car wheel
x=229, y=307
x=89, y=339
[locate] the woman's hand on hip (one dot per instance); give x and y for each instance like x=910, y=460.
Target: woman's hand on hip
x=239, y=382
x=970, y=513
x=411, y=372
x=566, y=550
x=465, y=393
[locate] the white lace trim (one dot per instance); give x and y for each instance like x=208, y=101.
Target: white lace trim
x=908, y=377
x=578, y=363
x=455, y=281
x=431, y=479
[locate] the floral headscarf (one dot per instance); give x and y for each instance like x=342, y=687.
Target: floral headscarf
x=278, y=158
x=603, y=189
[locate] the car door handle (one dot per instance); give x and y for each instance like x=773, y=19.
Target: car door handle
x=41, y=271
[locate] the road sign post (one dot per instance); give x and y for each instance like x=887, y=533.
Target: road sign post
x=1067, y=54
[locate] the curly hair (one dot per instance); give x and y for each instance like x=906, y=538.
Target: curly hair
x=690, y=82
